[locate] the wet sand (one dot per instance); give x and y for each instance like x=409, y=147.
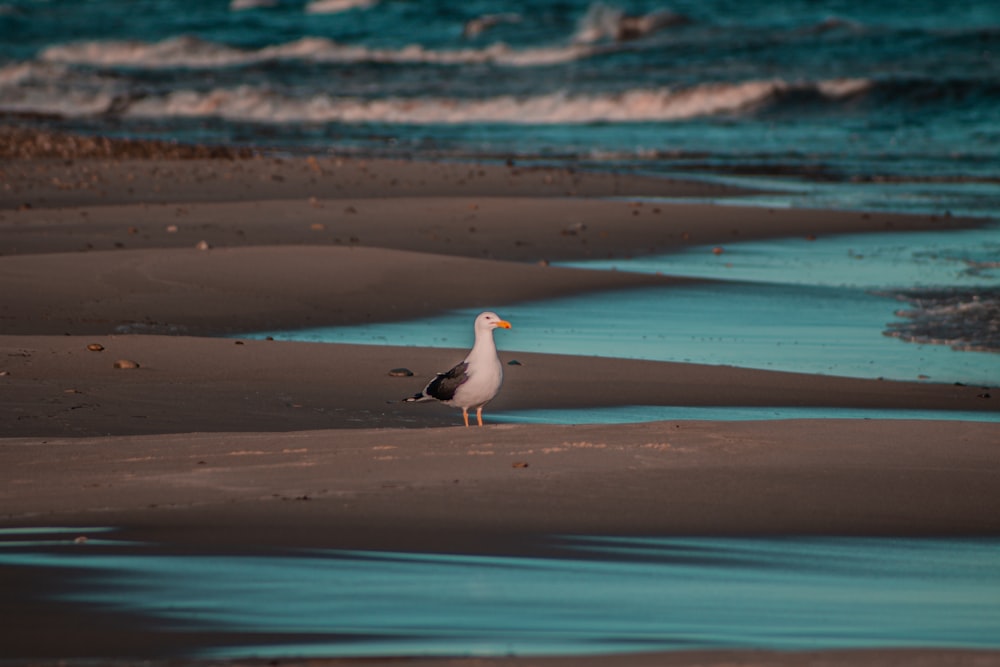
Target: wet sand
x=237, y=445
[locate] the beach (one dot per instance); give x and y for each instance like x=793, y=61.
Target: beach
x=215, y=441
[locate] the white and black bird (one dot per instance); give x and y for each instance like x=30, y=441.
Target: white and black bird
x=475, y=381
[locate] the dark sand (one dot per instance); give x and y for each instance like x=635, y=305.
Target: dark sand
x=215, y=444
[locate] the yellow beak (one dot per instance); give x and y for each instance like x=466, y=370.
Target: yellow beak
x=503, y=324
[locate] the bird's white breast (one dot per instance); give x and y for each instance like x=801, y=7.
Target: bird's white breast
x=485, y=378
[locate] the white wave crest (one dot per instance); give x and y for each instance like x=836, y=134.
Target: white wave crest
x=337, y=6
x=47, y=101
x=194, y=53
x=641, y=105
x=170, y=53
x=837, y=88
x=53, y=89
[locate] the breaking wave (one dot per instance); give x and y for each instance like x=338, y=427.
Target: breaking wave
x=194, y=53
x=55, y=89
x=47, y=95
x=651, y=105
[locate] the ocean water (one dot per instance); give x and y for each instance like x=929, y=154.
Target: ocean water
x=601, y=595
x=839, y=103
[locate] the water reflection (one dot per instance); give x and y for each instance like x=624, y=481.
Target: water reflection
x=634, y=414
x=606, y=595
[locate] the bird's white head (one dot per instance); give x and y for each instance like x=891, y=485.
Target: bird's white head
x=489, y=321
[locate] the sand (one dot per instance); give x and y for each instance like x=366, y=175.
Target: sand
x=154, y=254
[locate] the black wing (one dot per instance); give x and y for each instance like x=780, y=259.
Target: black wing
x=444, y=385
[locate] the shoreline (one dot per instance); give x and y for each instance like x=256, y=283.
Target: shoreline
x=209, y=443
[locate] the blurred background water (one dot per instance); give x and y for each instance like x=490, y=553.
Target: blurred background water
x=838, y=103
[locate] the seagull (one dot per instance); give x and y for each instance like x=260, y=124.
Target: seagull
x=474, y=382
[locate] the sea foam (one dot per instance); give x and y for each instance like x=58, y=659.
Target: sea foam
x=194, y=53
x=251, y=103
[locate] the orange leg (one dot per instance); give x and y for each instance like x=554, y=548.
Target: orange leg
x=479, y=415
x=465, y=415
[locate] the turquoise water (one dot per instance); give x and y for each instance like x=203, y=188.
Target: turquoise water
x=633, y=414
x=828, y=331
x=899, y=306
x=880, y=261
x=604, y=595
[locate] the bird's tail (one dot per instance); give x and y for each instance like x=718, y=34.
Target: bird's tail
x=416, y=398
